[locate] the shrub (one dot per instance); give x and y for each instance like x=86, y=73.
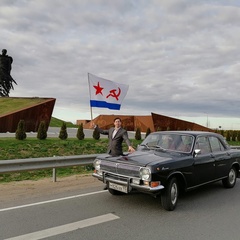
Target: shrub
x=63, y=135
x=138, y=135
x=96, y=134
x=147, y=132
x=42, y=131
x=80, y=133
x=20, y=132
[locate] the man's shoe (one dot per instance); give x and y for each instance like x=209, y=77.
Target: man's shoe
x=105, y=188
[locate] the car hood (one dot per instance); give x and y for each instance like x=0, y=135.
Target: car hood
x=142, y=158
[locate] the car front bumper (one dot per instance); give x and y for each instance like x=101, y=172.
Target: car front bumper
x=127, y=182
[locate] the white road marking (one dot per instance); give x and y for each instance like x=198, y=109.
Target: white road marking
x=66, y=228
x=49, y=201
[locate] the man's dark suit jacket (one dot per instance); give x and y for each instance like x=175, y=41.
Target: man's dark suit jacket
x=115, y=144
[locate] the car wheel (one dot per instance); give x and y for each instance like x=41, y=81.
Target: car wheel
x=230, y=181
x=169, y=196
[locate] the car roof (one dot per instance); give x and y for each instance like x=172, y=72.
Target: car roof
x=195, y=133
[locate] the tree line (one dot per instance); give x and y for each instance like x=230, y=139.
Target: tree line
x=20, y=134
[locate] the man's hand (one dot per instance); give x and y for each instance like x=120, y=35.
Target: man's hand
x=131, y=149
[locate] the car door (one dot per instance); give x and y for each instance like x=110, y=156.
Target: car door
x=204, y=162
x=222, y=157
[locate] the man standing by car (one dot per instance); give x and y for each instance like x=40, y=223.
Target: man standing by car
x=116, y=135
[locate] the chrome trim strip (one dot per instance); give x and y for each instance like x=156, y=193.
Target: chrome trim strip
x=147, y=188
x=205, y=183
x=120, y=175
x=115, y=181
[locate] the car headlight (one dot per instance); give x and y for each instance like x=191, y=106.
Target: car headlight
x=145, y=173
x=97, y=164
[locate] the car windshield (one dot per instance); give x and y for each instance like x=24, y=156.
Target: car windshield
x=174, y=142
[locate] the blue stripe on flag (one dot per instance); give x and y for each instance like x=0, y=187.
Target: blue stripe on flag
x=102, y=104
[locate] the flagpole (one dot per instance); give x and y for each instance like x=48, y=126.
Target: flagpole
x=90, y=98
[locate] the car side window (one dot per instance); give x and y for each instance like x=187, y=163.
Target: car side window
x=216, y=145
x=202, y=143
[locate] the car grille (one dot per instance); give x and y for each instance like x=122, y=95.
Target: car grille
x=117, y=178
x=120, y=169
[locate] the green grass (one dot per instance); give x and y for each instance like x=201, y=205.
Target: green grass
x=11, y=148
x=233, y=143
x=55, y=122
x=33, y=148
x=8, y=105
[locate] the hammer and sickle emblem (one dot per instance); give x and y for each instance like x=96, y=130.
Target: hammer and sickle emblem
x=114, y=94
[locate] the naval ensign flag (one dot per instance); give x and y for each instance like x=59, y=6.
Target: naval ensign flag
x=105, y=93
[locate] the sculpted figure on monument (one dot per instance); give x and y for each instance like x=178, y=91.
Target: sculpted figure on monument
x=6, y=81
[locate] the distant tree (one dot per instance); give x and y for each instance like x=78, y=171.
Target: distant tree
x=234, y=135
x=148, y=132
x=238, y=135
x=20, y=132
x=96, y=134
x=42, y=131
x=138, y=135
x=80, y=133
x=222, y=132
x=228, y=136
x=63, y=135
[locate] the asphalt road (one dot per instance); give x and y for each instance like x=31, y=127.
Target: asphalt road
x=209, y=213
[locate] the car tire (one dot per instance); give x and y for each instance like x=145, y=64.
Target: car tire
x=230, y=181
x=169, y=196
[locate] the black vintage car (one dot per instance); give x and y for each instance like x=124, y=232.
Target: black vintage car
x=168, y=162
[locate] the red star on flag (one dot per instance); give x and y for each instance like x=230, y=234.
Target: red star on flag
x=98, y=89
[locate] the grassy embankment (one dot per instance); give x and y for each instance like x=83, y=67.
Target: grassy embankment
x=10, y=148
x=13, y=104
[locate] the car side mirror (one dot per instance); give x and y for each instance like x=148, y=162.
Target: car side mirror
x=196, y=152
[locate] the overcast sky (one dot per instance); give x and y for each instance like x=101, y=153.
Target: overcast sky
x=180, y=58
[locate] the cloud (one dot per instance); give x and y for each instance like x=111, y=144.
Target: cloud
x=176, y=56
